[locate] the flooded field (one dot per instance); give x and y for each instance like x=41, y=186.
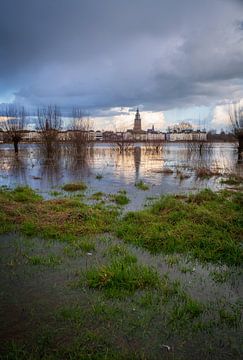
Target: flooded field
x=95, y=264
x=176, y=168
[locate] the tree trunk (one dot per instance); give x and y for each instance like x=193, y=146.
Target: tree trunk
x=240, y=148
x=16, y=146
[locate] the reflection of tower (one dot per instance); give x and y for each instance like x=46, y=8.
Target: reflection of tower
x=137, y=160
x=137, y=122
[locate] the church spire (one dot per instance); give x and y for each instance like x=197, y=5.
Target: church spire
x=137, y=122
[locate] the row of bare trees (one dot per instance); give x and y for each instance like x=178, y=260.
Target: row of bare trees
x=49, y=123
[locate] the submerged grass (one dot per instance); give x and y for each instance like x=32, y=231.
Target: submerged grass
x=74, y=187
x=120, y=199
x=141, y=185
x=122, y=277
x=206, y=225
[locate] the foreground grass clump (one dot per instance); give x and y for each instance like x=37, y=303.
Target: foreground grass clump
x=62, y=219
x=141, y=185
x=120, y=199
x=122, y=277
x=74, y=187
x=22, y=194
x=48, y=260
x=207, y=226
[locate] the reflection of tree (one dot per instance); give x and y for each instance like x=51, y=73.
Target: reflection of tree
x=78, y=166
x=50, y=171
x=17, y=168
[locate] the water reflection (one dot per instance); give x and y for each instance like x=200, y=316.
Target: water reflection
x=137, y=161
x=118, y=170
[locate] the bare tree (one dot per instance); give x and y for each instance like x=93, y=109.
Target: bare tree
x=80, y=132
x=49, y=123
x=235, y=113
x=15, y=118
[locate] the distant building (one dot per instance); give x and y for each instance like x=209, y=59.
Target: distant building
x=137, y=122
x=187, y=136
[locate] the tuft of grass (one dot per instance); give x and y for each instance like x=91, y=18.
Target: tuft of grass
x=48, y=260
x=97, y=195
x=55, y=193
x=23, y=194
x=120, y=199
x=29, y=228
x=74, y=187
x=121, y=278
x=184, y=312
x=221, y=276
x=120, y=251
x=141, y=185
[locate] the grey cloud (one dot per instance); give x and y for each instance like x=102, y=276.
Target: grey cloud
x=102, y=54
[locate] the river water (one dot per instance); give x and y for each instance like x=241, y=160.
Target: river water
x=120, y=171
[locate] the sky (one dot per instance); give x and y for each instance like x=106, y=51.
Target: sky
x=177, y=60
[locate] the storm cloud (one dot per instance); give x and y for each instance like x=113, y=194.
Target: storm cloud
x=101, y=54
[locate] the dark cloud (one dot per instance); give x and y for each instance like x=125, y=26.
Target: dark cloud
x=101, y=54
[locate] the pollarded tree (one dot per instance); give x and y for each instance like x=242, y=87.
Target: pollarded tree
x=49, y=124
x=235, y=113
x=79, y=131
x=15, y=119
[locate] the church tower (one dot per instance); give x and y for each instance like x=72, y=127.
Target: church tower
x=137, y=122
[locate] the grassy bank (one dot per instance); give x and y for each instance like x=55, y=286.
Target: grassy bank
x=207, y=226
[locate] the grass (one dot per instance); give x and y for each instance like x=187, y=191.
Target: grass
x=76, y=247
x=47, y=260
x=74, y=187
x=97, y=195
x=120, y=199
x=122, y=277
x=141, y=185
x=221, y=276
x=207, y=226
x=22, y=194
x=62, y=219
x=55, y=193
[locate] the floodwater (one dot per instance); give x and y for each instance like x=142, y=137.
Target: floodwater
x=120, y=171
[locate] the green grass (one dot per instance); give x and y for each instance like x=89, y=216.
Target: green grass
x=122, y=277
x=55, y=193
x=61, y=219
x=141, y=185
x=22, y=194
x=207, y=226
x=120, y=199
x=97, y=195
x=47, y=260
x=74, y=187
